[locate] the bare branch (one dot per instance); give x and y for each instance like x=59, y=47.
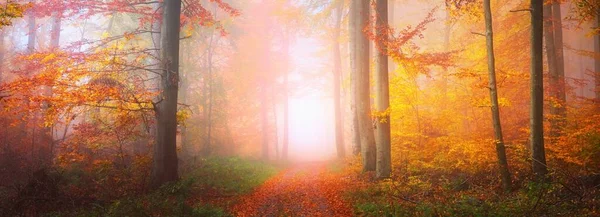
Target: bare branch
x=477, y=33
x=520, y=10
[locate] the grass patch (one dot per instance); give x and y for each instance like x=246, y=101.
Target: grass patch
x=533, y=199
x=232, y=175
x=215, y=176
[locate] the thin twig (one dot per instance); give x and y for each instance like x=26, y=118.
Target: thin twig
x=520, y=10
x=477, y=33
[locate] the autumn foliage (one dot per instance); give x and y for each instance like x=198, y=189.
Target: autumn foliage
x=78, y=110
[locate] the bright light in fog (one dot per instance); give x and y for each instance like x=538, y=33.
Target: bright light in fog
x=311, y=129
x=311, y=114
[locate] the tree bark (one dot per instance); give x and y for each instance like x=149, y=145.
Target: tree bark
x=354, y=31
x=597, y=60
x=275, y=132
x=392, y=24
x=210, y=89
x=363, y=101
x=500, y=149
x=31, y=24
x=264, y=119
x=284, y=151
x=165, y=148
x=537, y=92
x=337, y=74
x=384, y=156
x=47, y=136
x=557, y=77
x=2, y=51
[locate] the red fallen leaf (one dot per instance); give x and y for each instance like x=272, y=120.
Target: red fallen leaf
x=302, y=190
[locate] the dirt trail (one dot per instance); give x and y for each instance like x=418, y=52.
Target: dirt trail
x=305, y=189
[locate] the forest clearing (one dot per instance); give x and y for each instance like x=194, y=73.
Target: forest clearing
x=299, y=108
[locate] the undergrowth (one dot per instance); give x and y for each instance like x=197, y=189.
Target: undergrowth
x=214, y=177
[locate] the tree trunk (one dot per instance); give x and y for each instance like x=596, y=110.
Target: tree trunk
x=353, y=34
x=557, y=77
x=384, y=156
x=187, y=151
x=363, y=101
x=500, y=149
x=597, y=60
x=2, y=51
x=447, y=32
x=31, y=24
x=47, y=136
x=275, y=132
x=337, y=74
x=264, y=107
x=207, y=143
x=164, y=168
x=392, y=24
x=537, y=91
x=284, y=151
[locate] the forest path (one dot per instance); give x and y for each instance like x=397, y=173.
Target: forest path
x=306, y=189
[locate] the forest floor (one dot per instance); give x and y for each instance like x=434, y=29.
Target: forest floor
x=304, y=189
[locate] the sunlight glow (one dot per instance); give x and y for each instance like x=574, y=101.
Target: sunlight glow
x=311, y=129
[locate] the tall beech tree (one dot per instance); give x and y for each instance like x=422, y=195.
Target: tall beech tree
x=384, y=156
x=538, y=151
x=353, y=32
x=363, y=95
x=164, y=167
x=337, y=79
x=499, y=140
x=597, y=60
x=556, y=66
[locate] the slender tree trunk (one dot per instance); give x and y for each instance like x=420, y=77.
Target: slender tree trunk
x=557, y=77
x=165, y=148
x=187, y=150
x=550, y=29
x=284, y=151
x=384, y=155
x=597, y=60
x=47, y=136
x=337, y=74
x=207, y=143
x=31, y=40
x=2, y=51
x=447, y=32
x=353, y=31
x=31, y=24
x=264, y=119
x=367, y=138
x=275, y=132
x=537, y=91
x=391, y=23
x=500, y=149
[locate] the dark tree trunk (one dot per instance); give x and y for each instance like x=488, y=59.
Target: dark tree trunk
x=2, y=51
x=597, y=60
x=537, y=91
x=384, y=156
x=499, y=140
x=363, y=101
x=164, y=168
x=337, y=75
